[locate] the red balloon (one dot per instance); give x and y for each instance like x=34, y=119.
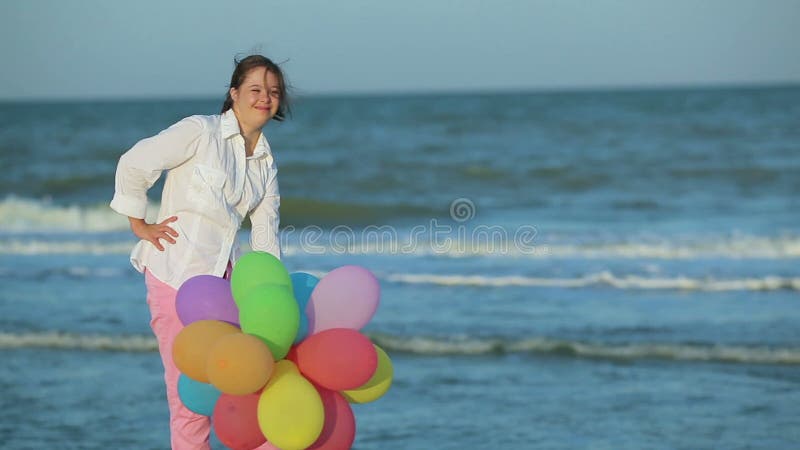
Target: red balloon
x=339, y=430
x=292, y=355
x=236, y=421
x=337, y=359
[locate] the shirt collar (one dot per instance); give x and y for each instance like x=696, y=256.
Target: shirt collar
x=230, y=127
x=229, y=124
x=262, y=150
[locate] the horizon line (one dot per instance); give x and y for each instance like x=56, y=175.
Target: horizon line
x=610, y=88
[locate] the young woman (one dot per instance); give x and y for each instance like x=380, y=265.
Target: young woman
x=219, y=169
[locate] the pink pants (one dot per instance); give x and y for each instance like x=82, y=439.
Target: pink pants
x=188, y=431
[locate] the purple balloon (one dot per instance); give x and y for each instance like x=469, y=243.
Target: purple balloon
x=206, y=297
x=346, y=297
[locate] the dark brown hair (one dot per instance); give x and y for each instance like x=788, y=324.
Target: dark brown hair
x=243, y=67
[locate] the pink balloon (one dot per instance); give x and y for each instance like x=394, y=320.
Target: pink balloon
x=346, y=297
x=339, y=430
x=337, y=359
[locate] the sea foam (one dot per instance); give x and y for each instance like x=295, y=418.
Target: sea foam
x=444, y=346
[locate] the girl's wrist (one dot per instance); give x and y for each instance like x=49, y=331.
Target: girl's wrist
x=136, y=224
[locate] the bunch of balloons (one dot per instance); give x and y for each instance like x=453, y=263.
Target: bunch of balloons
x=276, y=359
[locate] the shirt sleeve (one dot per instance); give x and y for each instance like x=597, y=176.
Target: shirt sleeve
x=265, y=219
x=141, y=166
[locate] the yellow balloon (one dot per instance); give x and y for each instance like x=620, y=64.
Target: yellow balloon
x=290, y=411
x=239, y=364
x=193, y=343
x=377, y=385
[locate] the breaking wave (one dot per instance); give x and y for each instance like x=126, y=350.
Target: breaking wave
x=434, y=346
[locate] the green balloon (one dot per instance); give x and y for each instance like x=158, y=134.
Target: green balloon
x=256, y=268
x=270, y=312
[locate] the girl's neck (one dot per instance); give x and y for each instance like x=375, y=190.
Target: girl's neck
x=250, y=141
x=250, y=137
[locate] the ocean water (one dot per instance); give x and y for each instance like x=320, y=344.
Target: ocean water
x=604, y=270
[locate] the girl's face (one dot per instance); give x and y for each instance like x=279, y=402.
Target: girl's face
x=257, y=99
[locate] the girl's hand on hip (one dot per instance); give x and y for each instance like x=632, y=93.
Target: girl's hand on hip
x=153, y=232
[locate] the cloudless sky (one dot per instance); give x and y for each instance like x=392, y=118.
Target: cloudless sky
x=56, y=49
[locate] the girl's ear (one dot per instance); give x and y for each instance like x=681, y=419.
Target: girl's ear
x=234, y=94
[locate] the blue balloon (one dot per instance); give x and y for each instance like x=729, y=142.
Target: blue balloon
x=196, y=396
x=302, y=285
x=302, y=330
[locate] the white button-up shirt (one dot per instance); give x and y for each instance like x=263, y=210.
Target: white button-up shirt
x=211, y=185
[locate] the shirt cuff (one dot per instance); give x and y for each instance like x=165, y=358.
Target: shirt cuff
x=129, y=206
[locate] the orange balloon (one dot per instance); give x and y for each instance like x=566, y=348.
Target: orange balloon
x=239, y=364
x=194, y=342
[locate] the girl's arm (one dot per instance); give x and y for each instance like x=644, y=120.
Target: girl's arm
x=141, y=166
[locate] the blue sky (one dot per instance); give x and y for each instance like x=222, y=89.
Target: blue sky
x=55, y=49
